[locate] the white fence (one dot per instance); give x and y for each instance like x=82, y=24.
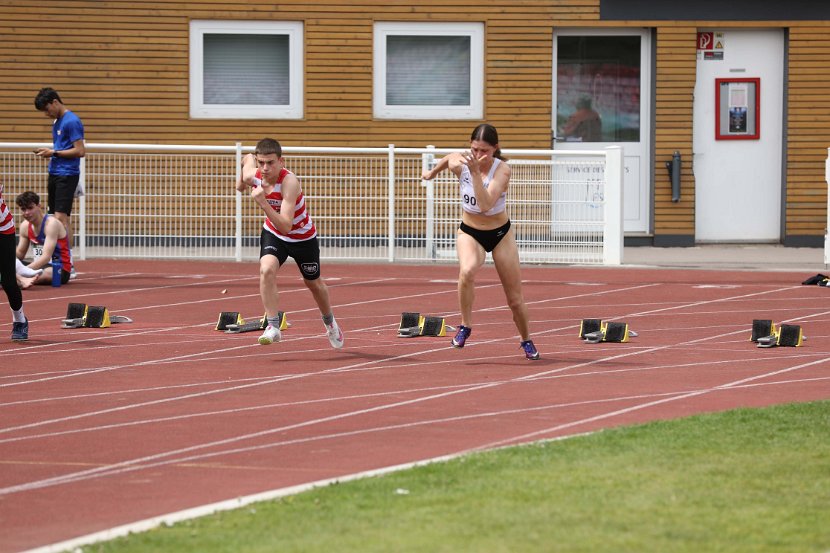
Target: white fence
x=369, y=204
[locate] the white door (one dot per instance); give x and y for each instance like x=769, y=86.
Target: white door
x=737, y=159
x=602, y=91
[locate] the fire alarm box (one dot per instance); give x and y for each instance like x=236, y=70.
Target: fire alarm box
x=738, y=108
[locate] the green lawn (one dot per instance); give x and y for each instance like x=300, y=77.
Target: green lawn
x=741, y=481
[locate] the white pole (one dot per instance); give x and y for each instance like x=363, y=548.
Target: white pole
x=391, y=238
x=428, y=162
x=612, y=251
x=238, y=214
x=81, y=234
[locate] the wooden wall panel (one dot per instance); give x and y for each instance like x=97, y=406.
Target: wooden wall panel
x=675, y=70
x=123, y=67
x=124, y=70
x=808, y=128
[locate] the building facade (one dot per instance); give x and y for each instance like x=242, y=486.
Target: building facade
x=729, y=95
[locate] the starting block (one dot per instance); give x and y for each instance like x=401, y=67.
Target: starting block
x=233, y=323
x=589, y=326
x=80, y=315
x=594, y=331
x=413, y=324
x=762, y=328
x=229, y=318
x=784, y=335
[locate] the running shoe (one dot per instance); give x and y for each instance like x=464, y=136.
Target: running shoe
x=20, y=331
x=272, y=334
x=461, y=336
x=335, y=335
x=530, y=350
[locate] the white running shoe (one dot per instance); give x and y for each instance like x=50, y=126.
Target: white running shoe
x=335, y=335
x=272, y=334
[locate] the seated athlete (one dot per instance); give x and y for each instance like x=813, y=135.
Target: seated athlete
x=48, y=238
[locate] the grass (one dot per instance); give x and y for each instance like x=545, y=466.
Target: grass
x=748, y=480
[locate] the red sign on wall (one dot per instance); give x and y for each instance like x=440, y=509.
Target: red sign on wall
x=710, y=45
x=706, y=41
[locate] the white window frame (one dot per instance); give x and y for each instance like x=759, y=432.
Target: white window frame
x=473, y=111
x=292, y=110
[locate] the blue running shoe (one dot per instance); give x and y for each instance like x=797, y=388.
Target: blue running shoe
x=461, y=336
x=20, y=331
x=530, y=350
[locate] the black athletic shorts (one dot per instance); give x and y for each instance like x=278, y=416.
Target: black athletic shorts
x=61, y=189
x=488, y=239
x=305, y=253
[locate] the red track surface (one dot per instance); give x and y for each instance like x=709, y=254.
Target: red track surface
x=104, y=427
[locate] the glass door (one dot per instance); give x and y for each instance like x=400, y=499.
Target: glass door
x=601, y=97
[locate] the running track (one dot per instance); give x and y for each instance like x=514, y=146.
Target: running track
x=101, y=428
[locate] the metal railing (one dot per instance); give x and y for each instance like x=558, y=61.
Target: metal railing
x=369, y=204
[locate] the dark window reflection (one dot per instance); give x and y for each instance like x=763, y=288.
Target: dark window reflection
x=598, y=88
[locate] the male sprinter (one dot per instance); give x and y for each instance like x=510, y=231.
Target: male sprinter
x=288, y=231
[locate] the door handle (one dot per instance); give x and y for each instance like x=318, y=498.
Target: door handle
x=554, y=139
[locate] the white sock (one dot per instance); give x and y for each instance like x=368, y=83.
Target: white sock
x=18, y=315
x=25, y=271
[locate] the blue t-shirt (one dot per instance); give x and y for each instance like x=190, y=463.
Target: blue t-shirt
x=65, y=131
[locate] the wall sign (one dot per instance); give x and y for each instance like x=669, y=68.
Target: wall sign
x=738, y=107
x=709, y=45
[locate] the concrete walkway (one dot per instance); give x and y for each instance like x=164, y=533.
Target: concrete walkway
x=756, y=257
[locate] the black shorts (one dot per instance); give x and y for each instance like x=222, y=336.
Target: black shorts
x=488, y=239
x=305, y=253
x=61, y=189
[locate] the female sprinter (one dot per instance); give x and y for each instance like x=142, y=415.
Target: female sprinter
x=484, y=177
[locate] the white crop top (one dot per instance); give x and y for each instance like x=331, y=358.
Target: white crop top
x=469, y=202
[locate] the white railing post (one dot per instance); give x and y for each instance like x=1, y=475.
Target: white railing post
x=428, y=162
x=80, y=235
x=238, y=211
x=827, y=229
x=391, y=255
x=612, y=251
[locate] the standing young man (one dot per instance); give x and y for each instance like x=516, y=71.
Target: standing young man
x=64, y=155
x=48, y=238
x=288, y=231
x=20, y=326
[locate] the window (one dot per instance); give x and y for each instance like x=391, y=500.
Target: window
x=429, y=71
x=598, y=88
x=246, y=70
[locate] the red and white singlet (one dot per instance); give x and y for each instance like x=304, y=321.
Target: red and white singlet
x=303, y=227
x=6, y=219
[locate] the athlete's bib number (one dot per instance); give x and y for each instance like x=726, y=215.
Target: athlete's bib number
x=38, y=251
x=470, y=200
